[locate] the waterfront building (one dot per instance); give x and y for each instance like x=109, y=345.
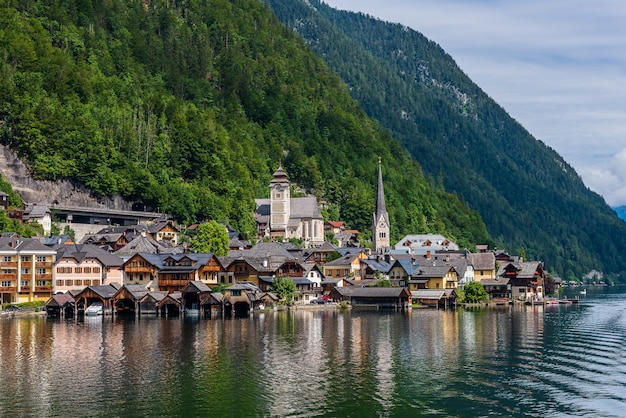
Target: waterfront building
x=421, y=244
x=26, y=270
x=81, y=265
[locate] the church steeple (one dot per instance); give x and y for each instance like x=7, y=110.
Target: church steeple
x=380, y=226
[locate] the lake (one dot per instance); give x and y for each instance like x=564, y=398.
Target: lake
x=564, y=360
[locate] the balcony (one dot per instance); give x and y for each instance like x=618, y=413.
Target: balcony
x=11, y=276
x=8, y=264
x=43, y=289
x=137, y=270
x=44, y=264
x=173, y=283
x=45, y=276
x=7, y=289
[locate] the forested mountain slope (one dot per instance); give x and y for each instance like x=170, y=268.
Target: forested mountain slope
x=188, y=107
x=526, y=193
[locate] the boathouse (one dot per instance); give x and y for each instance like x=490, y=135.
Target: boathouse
x=60, y=306
x=380, y=297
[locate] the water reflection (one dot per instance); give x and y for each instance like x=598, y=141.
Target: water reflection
x=520, y=361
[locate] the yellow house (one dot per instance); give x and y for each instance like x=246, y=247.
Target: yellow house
x=347, y=266
x=484, y=265
x=26, y=270
x=434, y=277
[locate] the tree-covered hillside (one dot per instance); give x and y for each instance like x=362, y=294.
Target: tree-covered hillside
x=527, y=194
x=189, y=107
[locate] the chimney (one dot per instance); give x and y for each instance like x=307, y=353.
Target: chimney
x=428, y=255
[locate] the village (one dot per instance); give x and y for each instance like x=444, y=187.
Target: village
x=144, y=269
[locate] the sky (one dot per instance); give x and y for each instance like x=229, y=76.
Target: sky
x=556, y=66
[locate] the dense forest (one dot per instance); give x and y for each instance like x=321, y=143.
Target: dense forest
x=189, y=106
x=528, y=196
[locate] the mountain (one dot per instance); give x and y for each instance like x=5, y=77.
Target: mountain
x=528, y=196
x=621, y=212
x=188, y=107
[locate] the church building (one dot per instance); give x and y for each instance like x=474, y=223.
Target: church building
x=380, y=225
x=282, y=217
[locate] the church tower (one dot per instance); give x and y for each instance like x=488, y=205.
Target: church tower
x=380, y=226
x=280, y=205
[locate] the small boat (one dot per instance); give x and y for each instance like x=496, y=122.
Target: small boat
x=583, y=292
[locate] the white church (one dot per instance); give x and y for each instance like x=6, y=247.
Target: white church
x=282, y=217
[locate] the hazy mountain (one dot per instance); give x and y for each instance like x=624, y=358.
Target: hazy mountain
x=527, y=194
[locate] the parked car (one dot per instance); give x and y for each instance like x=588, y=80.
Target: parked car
x=319, y=301
x=12, y=308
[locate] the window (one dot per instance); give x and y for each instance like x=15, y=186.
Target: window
x=7, y=271
x=87, y=270
x=41, y=258
x=41, y=283
x=25, y=259
x=7, y=258
x=235, y=292
x=69, y=283
x=78, y=282
x=25, y=283
x=6, y=283
x=96, y=269
x=40, y=271
x=78, y=270
x=25, y=270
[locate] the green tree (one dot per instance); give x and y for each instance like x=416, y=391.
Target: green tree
x=475, y=292
x=212, y=237
x=285, y=288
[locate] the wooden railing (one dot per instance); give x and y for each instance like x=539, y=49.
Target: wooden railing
x=8, y=289
x=43, y=288
x=8, y=264
x=12, y=276
x=44, y=276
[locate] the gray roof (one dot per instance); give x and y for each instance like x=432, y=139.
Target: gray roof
x=384, y=292
x=79, y=252
x=431, y=271
x=482, y=261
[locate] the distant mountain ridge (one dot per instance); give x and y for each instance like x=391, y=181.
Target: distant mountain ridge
x=527, y=194
x=621, y=212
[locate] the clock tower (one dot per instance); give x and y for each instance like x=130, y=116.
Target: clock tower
x=380, y=225
x=280, y=205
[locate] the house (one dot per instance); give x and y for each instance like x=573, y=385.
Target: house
x=484, y=265
x=442, y=276
x=499, y=289
x=424, y=243
x=26, y=270
x=171, y=272
x=321, y=254
x=143, y=243
x=526, y=279
x=375, y=268
x=348, y=265
x=381, y=297
x=164, y=231
x=4, y=200
x=38, y=214
x=401, y=271
x=80, y=265
x=282, y=217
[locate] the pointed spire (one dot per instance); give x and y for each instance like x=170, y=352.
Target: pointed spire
x=380, y=198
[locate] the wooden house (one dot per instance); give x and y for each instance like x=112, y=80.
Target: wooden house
x=95, y=294
x=433, y=277
x=191, y=296
x=171, y=305
x=348, y=265
x=526, y=279
x=126, y=300
x=380, y=297
x=60, y=306
x=149, y=303
x=434, y=298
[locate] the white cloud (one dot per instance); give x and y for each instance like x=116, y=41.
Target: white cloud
x=558, y=67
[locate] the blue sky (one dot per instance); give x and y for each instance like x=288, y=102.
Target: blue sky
x=558, y=67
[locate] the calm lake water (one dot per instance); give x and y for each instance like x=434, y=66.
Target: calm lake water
x=505, y=361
